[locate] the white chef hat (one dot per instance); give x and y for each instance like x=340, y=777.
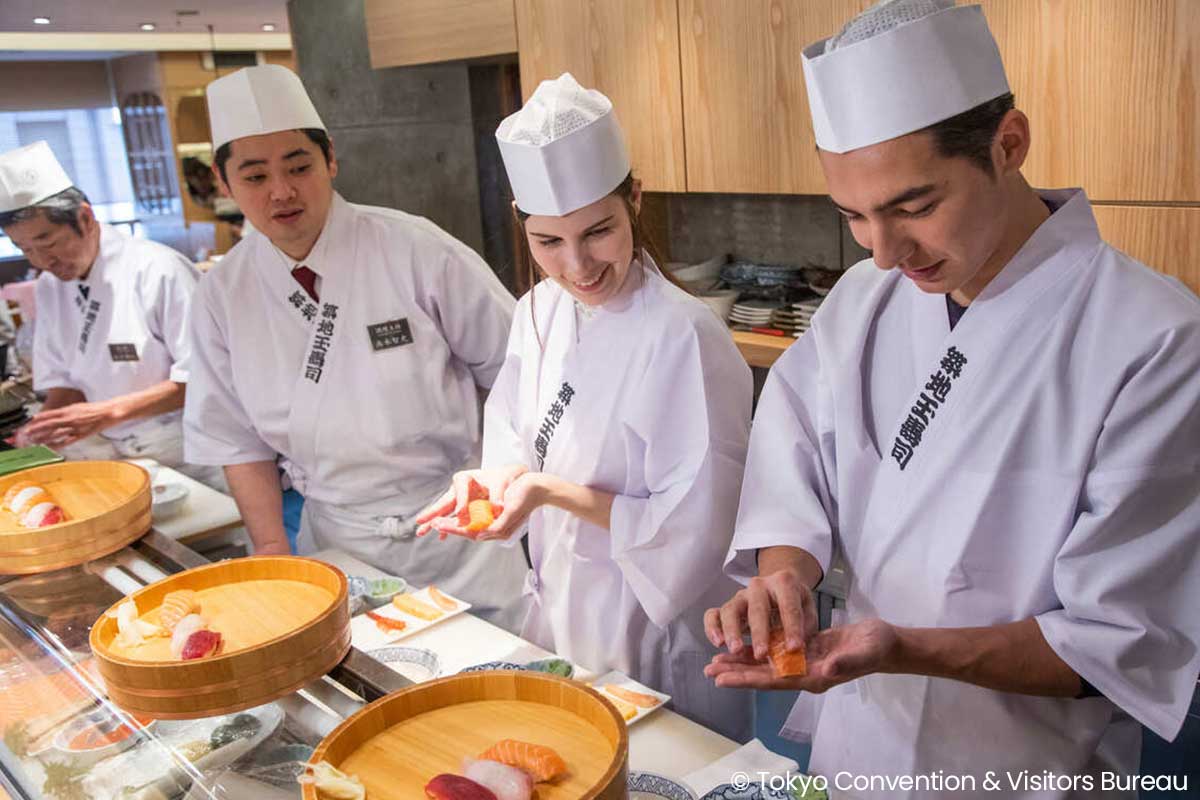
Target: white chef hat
x=257, y=100
x=28, y=175
x=564, y=149
x=898, y=67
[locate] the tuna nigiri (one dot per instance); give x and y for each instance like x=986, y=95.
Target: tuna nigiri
x=507, y=783
x=201, y=644
x=456, y=787
x=541, y=762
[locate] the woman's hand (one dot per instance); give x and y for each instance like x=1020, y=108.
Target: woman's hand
x=442, y=514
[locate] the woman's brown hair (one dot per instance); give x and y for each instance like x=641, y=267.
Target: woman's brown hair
x=528, y=274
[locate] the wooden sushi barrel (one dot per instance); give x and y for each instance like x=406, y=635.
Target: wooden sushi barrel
x=242, y=678
x=107, y=505
x=398, y=743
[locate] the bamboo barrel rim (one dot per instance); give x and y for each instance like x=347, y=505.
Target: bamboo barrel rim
x=149, y=687
x=83, y=539
x=616, y=771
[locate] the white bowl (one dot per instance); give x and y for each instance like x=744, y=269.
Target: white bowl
x=720, y=301
x=85, y=758
x=167, y=499
x=706, y=271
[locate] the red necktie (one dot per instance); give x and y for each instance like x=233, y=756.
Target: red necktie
x=308, y=279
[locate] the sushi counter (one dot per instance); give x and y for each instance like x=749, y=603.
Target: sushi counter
x=65, y=739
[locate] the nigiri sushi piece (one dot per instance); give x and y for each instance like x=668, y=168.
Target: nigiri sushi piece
x=507, y=783
x=13, y=491
x=330, y=782
x=183, y=629
x=200, y=644
x=541, y=762
x=132, y=631
x=785, y=663
x=479, y=515
x=639, y=699
x=448, y=603
x=43, y=515
x=27, y=498
x=177, y=605
x=456, y=787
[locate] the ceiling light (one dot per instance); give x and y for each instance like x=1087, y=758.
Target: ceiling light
x=41, y=20
x=147, y=26
x=268, y=26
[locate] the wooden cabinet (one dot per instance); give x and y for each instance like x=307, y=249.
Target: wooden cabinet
x=1164, y=237
x=744, y=101
x=1112, y=90
x=406, y=32
x=628, y=49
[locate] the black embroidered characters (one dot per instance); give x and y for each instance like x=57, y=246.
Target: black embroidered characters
x=553, y=417
x=937, y=390
x=320, y=344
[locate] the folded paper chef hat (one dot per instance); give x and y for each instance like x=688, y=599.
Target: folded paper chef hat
x=564, y=149
x=898, y=67
x=28, y=175
x=257, y=100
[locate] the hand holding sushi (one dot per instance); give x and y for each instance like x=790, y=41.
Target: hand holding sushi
x=468, y=507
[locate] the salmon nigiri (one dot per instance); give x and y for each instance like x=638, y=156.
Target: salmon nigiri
x=784, y=662
x=541, y=762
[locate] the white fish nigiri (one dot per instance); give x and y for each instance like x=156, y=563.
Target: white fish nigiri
x=507, y=783
x=21, y=502
x=132, y=631
x=183, y=629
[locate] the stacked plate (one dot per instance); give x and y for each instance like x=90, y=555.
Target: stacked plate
x=795, y=318
x=755, y=313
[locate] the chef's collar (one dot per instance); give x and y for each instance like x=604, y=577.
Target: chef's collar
x=318, y=256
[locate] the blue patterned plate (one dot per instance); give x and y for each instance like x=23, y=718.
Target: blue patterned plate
x=493, y=665
x=756, y=791
x=648, y=786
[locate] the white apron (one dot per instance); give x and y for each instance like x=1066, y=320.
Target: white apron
x=997, y=472
x=649, y=399
x=368, y=395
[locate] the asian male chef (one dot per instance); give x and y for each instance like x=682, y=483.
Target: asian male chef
x=349, y=344
x=111, y=347
x=994, y=423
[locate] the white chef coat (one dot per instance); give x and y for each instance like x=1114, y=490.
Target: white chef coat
x=120, y=330
x=369, y=396
x=1056, y=477
x=647, y=398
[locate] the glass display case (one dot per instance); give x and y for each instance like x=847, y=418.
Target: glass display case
x=64, y=740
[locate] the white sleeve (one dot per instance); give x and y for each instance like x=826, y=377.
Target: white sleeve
x=788, y=496
x=473, y=310
x=1128, y=574
x=501, y=425
x=50, y=365
x=172, y=306
x=216, y=428
x=691, y=433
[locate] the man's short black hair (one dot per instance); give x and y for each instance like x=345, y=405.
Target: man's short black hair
x=317, y=136
x=60, y=209
x=970, y=134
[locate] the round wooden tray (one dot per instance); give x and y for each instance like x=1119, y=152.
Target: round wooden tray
x=284, y=622
x=107, y=505
x=398, y=743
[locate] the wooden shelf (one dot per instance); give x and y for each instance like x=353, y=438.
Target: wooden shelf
x=761, y=350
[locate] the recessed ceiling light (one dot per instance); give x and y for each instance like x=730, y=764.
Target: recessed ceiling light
x=41, y=20
x=267, y=26
x=147, y=26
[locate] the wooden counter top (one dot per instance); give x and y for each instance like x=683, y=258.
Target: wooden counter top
x=759, y=349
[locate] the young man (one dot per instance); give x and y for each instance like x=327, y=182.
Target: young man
x=993, y=423
x=111, y=346
x=349, y=344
